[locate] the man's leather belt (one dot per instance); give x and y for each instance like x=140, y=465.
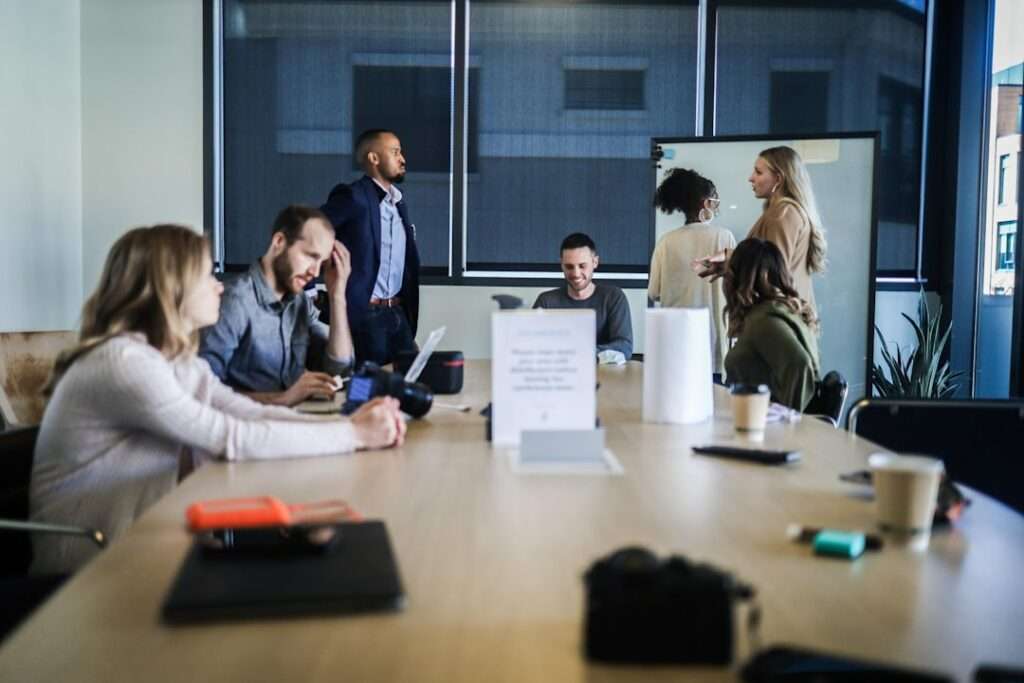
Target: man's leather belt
x=386, y=303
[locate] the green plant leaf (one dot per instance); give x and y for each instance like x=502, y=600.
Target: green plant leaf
x=922, y=373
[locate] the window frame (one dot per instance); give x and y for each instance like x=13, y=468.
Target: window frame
x=1008, y=236
x=457, y=271
x=1003, y=167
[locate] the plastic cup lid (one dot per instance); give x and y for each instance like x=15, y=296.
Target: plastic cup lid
x=742, y=389
x=904, y=463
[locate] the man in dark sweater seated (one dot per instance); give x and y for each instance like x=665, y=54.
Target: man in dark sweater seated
x=579, y=261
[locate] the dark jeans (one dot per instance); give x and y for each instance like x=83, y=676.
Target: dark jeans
x=382, y=334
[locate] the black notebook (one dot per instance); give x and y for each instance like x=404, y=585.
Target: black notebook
x=357, y=574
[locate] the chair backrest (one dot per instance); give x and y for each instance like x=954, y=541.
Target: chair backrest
x=980, y=442
x=26, y=359
x=829, y=397
x=507, y=301
x=16, y=448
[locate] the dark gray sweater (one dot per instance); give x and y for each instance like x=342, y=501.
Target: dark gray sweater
x=614, y=326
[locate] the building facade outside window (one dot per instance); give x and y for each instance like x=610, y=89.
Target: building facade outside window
x=998, y=227
x=561, y=104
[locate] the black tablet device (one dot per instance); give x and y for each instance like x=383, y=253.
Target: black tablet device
x=357, y=574
x=789, y=664
x=758, y=455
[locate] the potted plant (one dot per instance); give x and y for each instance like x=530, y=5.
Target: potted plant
x=921, y=374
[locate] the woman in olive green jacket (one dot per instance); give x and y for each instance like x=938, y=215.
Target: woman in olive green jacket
x=773, y=327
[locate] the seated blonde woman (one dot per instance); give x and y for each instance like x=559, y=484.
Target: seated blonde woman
x=773, y=327
x=132, y=405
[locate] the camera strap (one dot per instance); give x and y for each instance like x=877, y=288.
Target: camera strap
x=748, y=594
x=754, y=626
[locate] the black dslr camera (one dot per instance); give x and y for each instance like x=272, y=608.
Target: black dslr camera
x=644, y=609
x=370, y=381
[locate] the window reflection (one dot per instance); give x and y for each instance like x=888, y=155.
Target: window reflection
x=837, y=68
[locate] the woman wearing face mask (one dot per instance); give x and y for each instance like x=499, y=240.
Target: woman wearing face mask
x=672, y=282
x=790, y=219
x=133, y=408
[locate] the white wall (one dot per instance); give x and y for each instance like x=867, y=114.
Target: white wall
x=466, y=311
x=102, y=120
x=142, y=119
x=40, y=165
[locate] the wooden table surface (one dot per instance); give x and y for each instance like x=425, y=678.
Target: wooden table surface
x=492, y=562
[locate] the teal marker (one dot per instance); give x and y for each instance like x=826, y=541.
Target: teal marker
x=848, y=544
x=835, y=541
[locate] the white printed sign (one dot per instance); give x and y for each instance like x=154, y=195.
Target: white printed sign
x=543, y=372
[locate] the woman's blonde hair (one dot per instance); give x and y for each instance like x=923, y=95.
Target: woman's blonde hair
x=796, y=187
x=147, y=275
x=757, y=272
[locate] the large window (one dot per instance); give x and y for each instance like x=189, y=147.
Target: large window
x=799, y=102
x=1004, y=144
x=523, y=121
x=415, y=100
x=999, y=336
x=806, y=67
x=571, y=95
x=301, y=80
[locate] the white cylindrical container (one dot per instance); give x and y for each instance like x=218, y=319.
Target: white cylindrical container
x=677, y=365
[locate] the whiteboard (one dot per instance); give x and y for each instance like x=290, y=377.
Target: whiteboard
x=842, y=170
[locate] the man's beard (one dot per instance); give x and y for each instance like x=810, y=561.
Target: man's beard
x=397, y=179
x=283, y=272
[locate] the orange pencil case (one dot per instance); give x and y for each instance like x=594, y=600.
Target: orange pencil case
x=265, y=511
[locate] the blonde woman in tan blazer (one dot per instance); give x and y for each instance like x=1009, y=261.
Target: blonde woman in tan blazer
x=790, y=219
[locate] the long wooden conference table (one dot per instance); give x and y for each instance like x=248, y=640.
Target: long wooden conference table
x=492, y=562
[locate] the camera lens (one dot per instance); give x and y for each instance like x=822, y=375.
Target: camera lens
x=414, y=398
x=634, y=560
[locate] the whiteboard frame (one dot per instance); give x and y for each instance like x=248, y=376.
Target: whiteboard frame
x=771, y=140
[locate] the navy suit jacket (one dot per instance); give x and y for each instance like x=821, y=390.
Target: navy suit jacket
x=355, y=212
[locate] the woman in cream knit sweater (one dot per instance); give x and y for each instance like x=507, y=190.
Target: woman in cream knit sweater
x=132, y=407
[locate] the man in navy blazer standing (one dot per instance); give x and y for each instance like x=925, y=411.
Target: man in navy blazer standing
x=371, y=220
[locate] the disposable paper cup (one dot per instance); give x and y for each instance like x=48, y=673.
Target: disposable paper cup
x=749, y=406
x=906, y=488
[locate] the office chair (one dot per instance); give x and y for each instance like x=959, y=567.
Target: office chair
x=19, y=592
x=507, y=302
x=980, y=442
x=829, y=398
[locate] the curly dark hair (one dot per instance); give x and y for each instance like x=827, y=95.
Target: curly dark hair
x=757, y=272
x=684, y=190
